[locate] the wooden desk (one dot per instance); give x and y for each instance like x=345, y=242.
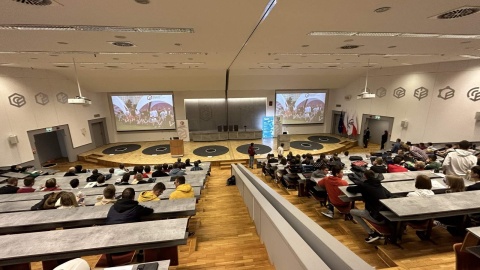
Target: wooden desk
x=15, y=174
x=21, y=222
x=72, y=243
x=472, y=239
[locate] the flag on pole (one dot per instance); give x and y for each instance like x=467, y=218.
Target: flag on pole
x=354, y=124
x=345, y=123
x=340, y=123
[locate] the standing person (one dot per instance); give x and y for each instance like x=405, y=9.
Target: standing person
x=384, y=140
x=459, y=161
x=280, y=149
x=366, y=137
x=251, y=154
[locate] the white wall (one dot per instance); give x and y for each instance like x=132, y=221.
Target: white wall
x=31, y=116
x=429, y=119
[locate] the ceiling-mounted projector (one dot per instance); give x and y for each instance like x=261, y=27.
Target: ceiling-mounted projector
x=79, y=100
x=365, y=95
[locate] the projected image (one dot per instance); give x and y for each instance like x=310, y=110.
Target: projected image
x=300, y=108
x=143, y=112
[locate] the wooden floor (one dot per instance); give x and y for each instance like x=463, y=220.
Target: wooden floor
x=137, y=157
x=225, y=237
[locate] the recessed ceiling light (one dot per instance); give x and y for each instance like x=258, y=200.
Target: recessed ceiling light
x=94, y=28
x=457, y=13
x=59, y=66
x=122, y=43
x=391, y=47
x=374, y=34
x=170, y=66
x=470, y=56
x=120, y=37
x=62, y=42
x=382, y=9
x=115, y=58
x=458, y=36
x=348, y=40
x=35, y=2
x=305, y=45
x=143, y=2
x=349, y=47
x=321, y=33
x=419, y=35
x=178, y=44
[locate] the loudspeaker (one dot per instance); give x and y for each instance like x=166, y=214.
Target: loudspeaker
x=235, y=127
x=13, y=139
x=219, y=128
x=230, y=128
x=270, y=103
x=225, y=128
x=404, y=124
x=477, y=116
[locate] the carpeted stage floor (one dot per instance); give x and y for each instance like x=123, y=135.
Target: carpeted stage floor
x=156, y=152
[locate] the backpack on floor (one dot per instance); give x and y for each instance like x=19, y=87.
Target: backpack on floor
x=231, y=181
x=353, y=158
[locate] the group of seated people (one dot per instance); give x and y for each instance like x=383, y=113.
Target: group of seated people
x=459, y=165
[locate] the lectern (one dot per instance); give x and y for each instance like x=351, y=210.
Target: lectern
x=176, y=148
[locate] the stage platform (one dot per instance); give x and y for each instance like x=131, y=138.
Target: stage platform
x=214, y=135
x=136, y=157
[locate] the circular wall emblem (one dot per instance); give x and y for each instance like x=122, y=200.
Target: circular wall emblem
x=399, y=92
x=446, y=93
x=381, y=92
x=420, y=93
x=474, y=94
x=62, y=97
x=41, y=98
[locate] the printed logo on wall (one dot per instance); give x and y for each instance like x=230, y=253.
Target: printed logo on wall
x=205, y=112
x=381, y=92
x=446, y=93
x=474, y=94
x=62, y=97
x=17, y=100
x=420, y=93
x=41, y=98
x=399, y=92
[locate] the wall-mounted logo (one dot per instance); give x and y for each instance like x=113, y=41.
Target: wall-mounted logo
x=381, y=92
x=41, y=98
x=205, y=112
x=62, y=97
x=17, y=100
x=399, y=92
x=446, y=93
x=474, y=94
x=420, y=92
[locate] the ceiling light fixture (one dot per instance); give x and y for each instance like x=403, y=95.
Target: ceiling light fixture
x=394, y=34
x=95, y=28
x=382, y=9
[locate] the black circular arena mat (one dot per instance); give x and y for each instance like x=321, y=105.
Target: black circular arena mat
x=306, y=145
x=210, y=150
x=157, y=150
x=323, y=139
x=259, y=149
x=121, y=149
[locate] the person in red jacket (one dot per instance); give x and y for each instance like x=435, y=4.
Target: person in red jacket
x=396, y=166
x=331, y=184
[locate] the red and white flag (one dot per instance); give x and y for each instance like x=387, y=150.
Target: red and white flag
x=352, y=124
x=345, y=123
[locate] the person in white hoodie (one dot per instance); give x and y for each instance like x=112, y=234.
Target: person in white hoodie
x=458, y=162
x=423, y=186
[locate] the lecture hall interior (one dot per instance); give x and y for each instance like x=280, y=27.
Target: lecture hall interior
x=100, y=83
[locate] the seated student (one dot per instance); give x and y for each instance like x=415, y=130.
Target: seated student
x=70, y=172
x=474, y=177
x=422, y=146
x=108, y=196
x=423, y=187
x=455, y=184
x=396, y=166
x=320, y=172
x=10, y=187
x=50, y=185
x=396, y=146
x=445, y=150
x=127, y=209
x=182, y=190
x=416, y=152
x=187, y=163
x=378, y=166
x=148, y=171
x=109, y=174
x=180, y=164
x=139, y=179
x=165, y=168
x=124, y=180
x=430, y=148
x=322, y=161
x=331, y=184
x=120, y=171
x=176, y=171
x=94, y=176
x=158, y=172
x=152, y=195
x=141, y=170
x=28, y=183
x=418, y=166
x=433, y=164
x=67, y=200
x=372, y=192
x=196, y=167
x=79, y=169
x=335, y=161
x=101, y=182
x=80, y=196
